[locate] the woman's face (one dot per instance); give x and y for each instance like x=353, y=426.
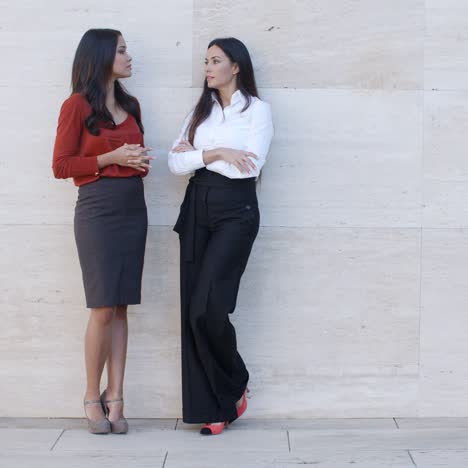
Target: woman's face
x=122, y=67
x=219, y=70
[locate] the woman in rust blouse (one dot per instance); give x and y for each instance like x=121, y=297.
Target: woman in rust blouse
x=100, y=144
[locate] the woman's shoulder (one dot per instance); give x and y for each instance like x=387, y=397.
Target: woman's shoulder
x=75, y=103
x=259, y=106
x=259, y=103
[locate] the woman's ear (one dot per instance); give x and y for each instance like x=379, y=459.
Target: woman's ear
x=235, y=69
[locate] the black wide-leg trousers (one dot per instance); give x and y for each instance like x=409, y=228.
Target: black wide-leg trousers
x=217, y=226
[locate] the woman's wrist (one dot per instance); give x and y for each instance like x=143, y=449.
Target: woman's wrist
x=212, y=155
x=105, y=159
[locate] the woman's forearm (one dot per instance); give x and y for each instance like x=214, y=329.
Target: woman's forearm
x=106, y=159
x=212, y=155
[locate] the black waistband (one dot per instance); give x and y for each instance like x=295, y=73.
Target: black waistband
x=212, y=179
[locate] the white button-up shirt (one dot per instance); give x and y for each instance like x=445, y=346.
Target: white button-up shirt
x=251, y=130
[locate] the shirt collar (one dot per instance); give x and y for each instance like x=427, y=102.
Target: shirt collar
x=236, y=98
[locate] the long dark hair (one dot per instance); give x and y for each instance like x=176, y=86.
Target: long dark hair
x=91, y=72
x=237, y=53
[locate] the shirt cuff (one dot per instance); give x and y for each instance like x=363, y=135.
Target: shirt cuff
x=94, y=167
x=196, y=159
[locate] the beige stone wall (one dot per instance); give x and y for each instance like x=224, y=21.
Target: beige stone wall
x=355, y=299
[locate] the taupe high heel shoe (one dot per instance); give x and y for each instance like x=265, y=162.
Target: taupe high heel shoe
x=121, y=425
x=100, y=426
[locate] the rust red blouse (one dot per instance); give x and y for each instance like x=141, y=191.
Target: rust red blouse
x=76, y=150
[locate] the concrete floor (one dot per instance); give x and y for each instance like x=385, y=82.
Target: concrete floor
x=248, y=443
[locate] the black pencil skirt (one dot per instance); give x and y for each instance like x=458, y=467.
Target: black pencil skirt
x=110, y=232
x=217, y=226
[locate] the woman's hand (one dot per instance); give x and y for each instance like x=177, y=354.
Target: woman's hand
x=182, y=147
x=238, y=158
x=134, y=156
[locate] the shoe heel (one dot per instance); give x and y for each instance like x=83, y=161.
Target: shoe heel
x=242, y=408
x=116, y=427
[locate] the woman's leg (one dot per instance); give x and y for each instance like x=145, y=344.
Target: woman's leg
x=116, y=362
x=97, y=347
x=213, y=299
x=212, y=262
x=195, y=386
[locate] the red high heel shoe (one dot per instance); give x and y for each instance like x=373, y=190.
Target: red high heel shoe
x=243, y=406
x=213, y=429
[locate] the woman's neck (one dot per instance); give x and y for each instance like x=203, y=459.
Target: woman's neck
x=110, y=97
x=226, y=93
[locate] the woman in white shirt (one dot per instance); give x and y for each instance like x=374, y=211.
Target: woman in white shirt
x=225, y=140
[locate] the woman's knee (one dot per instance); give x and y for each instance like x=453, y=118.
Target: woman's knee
x=102, y=315
x=120, y=312
x=208, y=323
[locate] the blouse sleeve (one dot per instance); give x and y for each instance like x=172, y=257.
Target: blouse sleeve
x=261, y=134
x=188, y=161
x=258, y=142
x=66, y=162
